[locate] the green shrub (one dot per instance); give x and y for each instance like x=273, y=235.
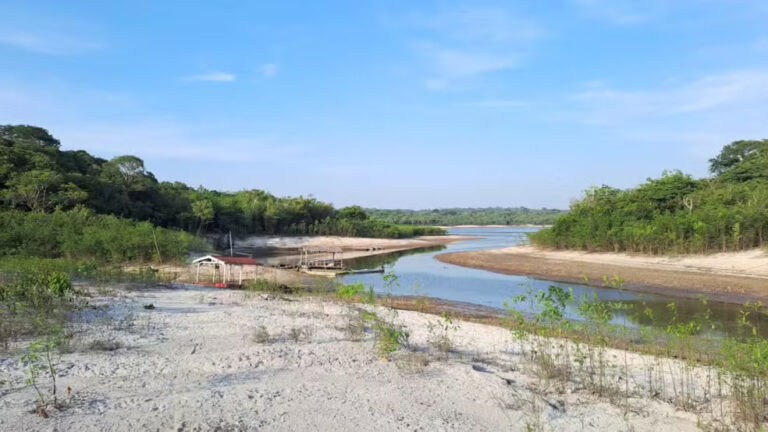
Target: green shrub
x=672, y=214
x=260, y=335
x=389, y=337
x=349, y=291
x=82, y=235
x=468, y=216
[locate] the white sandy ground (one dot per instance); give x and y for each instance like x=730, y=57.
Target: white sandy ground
x=353, y=247
x=752, y=263
x=191, y=364
x=495, y=226
x=349, y=243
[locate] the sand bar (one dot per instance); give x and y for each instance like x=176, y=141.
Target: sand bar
x=733, y=277
x=353, y=247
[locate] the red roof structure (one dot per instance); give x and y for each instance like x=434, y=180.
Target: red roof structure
x=222, y=274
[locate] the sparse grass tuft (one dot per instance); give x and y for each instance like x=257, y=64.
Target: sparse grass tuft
x=260, y=335
x=300, y=334
x=105, y=345
x=389, y=338
x=411, y=362
x=440, y=333
x=355, y=327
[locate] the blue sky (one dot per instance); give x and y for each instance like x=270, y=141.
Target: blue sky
x=393, y=103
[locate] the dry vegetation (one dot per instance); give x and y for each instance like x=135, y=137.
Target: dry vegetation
x=260, y=358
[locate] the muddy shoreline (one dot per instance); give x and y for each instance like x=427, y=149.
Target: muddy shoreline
x=726, y=288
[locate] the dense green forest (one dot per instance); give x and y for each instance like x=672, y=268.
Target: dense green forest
x=36, y=176
x=675, y=213
x=80, y=234
x=469, y=216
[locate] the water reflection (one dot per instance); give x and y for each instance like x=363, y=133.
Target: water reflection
x=386, y=260
x=420, y=273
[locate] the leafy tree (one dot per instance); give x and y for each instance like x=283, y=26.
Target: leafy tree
x=468, y=216
x=81, y=234
x=35, y=175
x=203, y=210
x=736, y=153
x=28, y=135
x=669, y=191
x=675, y=213
x=353, y=213
x=129, y=172
x=32, y=189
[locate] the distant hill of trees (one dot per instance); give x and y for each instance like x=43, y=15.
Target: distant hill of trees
x=675, y=213
x=36, y=176
x=469, y=216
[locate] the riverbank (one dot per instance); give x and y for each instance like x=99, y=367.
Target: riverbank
x=204, y=359
x=732, y=277
x=282, y=249
x=277, y=250
x=495, y=226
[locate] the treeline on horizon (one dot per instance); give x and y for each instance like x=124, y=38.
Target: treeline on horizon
x=37, y=177
x=469, y=216
x=675, y=213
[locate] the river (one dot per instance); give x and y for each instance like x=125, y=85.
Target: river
x=419, y=273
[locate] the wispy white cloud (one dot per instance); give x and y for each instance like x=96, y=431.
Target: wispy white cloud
x=484, y=24
x=269, y=70
x=622, y=12
x=85, y=119
x=461, y=43
x=629, y=12
x=214, y=76
x=618, y=12
x=51, y=42
x=448, y=65
x=176, y=141
x=45, y=101
x=694, y=118
x=495, y=103
x=601, y=104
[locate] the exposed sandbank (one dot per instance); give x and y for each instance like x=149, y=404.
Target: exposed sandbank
x=284, y=250
x=192, y=364
x=496, y=226
x=731, y=277
x=353, y=247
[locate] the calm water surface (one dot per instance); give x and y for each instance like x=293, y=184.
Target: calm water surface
x=419, y=273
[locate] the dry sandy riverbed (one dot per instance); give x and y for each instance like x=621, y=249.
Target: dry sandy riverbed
x=731, y=277
x=192, y=364
x=353, y=247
